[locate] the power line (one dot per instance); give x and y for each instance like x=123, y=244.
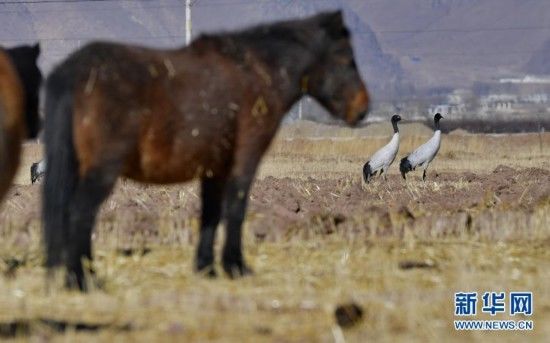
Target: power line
x=102, y=9
x=89, y=38
x=459, y=30
x=196, y=3
x=24, y=2
x=491, y=53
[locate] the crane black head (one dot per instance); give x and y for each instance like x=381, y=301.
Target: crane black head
x=394, y=119
x=437, y=117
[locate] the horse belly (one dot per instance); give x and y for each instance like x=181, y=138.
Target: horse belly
x=183, y=159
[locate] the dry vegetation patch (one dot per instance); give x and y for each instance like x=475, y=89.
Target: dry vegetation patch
x=317, y=238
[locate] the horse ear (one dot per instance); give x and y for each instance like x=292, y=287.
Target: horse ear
x=333, y=23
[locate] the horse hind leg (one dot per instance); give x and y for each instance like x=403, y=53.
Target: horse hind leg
x=90, y=192
x=212, y=195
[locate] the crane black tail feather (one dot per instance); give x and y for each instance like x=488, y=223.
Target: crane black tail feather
x=367, y=172
x=405, y=167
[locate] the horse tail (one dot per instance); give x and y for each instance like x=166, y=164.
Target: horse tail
x=3, y=140
x=61, y=174
x=367, y=172
x=405, y=166
x=4, y=153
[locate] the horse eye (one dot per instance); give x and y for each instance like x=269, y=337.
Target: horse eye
x=346, y=61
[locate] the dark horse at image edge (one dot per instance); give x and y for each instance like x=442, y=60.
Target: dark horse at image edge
x=206, y=111
x=20, y=80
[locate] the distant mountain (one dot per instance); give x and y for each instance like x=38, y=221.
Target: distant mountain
x=415, y=46
x=456, y=42
x=403, y=46
x=62, y=27
x=539, y=63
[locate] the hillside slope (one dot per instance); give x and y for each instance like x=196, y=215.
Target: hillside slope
x=400, y=44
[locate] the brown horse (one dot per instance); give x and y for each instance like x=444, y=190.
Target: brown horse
x=206, y=111
x=20, y=81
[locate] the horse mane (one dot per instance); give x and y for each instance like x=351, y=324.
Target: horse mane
x=3, y=149
x=267, y=40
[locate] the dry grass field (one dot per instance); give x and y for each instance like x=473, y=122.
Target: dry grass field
x=316, y=236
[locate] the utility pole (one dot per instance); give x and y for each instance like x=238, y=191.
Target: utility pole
x=300, y=109
x=187, y=22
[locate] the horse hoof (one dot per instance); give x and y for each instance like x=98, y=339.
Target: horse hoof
x=207, y=271
x=237, y=269
x=205, y=266
x=76, y=283
x=81, y=279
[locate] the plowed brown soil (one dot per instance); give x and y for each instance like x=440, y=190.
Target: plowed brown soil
x=317, y=236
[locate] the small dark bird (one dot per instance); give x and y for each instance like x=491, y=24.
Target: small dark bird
x=37, y=171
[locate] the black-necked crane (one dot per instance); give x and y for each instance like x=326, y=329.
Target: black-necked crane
x=383, y=158
x=424, y=154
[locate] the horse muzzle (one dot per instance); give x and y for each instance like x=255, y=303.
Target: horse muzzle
x=358, y=108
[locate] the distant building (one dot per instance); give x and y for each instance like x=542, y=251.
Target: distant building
x=498, y=102
x=537, y=98
x=455, y=103
x=522, y=95
x=447, y=109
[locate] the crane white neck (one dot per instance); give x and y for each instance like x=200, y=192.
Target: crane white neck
x=436, y=124
x=395, y=128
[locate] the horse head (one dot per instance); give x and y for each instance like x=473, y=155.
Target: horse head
x=25, y=60
x=334, y=79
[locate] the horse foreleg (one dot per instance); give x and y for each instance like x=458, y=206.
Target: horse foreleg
x=251, y=144
x=235, y=207
x=212, y=194
x=92, y=189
